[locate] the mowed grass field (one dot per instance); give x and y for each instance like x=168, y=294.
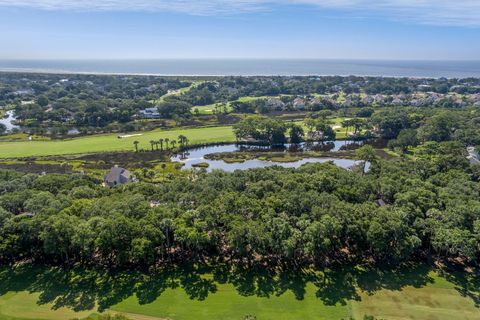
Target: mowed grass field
x=111, y=142
x=208, y=109
x=417, y=296
x=227, y=304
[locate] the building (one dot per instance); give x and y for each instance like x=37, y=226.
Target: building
x=150, y=113
x=117, y=176
x=299, y=104
x=473, y=155
x=275, y=104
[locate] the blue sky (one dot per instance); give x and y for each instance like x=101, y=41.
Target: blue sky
x=145, y=29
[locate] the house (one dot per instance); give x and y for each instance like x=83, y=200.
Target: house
x=473, y=155
x=150, y=113
x=73, y=132
x=424, y=87
x=24, y=92
x=117, y=176
x=368, y=100
x=378, y=98
x=275, y=104
x=315, y=102
x=299, y=104
x=397, y=102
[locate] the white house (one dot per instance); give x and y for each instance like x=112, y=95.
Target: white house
x=473, y=155
x=150, y=113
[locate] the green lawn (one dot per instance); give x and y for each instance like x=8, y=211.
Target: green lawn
x=415, y=292
x=25, y=306
x=227, y=304
x=179, y=91
x=208, y=109
x=111, y=142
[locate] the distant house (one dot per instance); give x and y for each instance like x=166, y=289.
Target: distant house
x=273, y=103
x=299, y=104
x=73, y=132
x=367, y=100
x=150, y=113
x=473, y=155
x=117, y=176
x=24, y=92
x=397, y=102
x=424, y=87
x=315, y=102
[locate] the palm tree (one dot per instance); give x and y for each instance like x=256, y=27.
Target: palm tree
x=182, y=140
x=346, y=124
x=173, y=143
x=136, y=145
x=152, y=143
x=161, y=144
x=166, y=143
x=156, y=145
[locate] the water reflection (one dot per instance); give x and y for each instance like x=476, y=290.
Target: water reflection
x=197, y=155
x=8, y=120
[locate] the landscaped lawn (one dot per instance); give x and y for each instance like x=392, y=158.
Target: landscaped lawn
x=208, y=109
x=440, y=299
x=111, y=142
x=228, y=304
x=191, y=294
x=179, y=91
x=25, y=306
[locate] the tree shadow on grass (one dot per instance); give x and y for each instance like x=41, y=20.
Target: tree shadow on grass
x=466, y=283
x=85, y=289
x=413, y=274
x=336, y=286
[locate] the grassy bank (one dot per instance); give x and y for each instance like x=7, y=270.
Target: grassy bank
x=201, y=293
x=111, y=142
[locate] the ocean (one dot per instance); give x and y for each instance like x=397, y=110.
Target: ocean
x=251, y=67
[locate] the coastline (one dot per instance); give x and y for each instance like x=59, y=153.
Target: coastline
x=99, y=73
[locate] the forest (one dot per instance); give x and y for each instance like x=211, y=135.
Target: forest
x=318, y=214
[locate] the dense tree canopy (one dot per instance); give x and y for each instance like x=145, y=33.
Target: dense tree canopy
x=318, y=213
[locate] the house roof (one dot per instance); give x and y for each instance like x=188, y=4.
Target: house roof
x=115, y=173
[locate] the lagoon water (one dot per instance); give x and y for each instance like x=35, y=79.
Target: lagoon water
x=197, y=155
x=250, y=67
x=8, y=120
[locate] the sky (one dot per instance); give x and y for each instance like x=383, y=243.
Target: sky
x=297, y=29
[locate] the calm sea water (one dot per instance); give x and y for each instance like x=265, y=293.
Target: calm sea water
x=218, y=67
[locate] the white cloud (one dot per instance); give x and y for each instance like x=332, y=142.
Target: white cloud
x=195, y=7
x=437, y=12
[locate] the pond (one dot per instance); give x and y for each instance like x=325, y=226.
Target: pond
x=8, y=120
x=197, y=155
